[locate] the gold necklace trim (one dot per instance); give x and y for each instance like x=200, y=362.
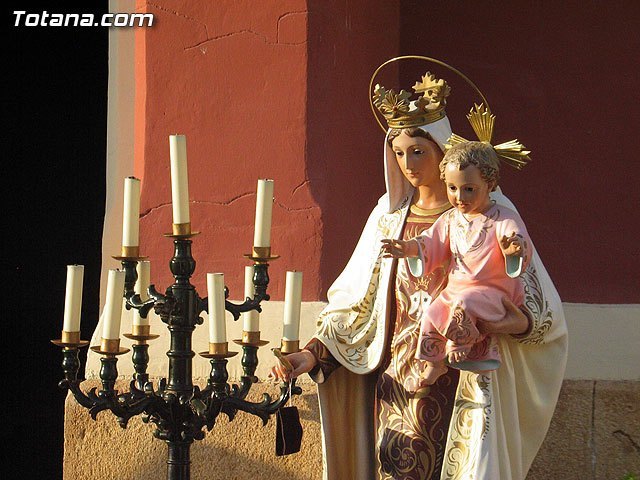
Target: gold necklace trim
x=429, y=211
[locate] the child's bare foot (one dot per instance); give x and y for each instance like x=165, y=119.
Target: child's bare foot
x=459, y=354
x=432, y=373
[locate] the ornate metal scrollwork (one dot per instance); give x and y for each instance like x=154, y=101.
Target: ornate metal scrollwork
x=179, y=410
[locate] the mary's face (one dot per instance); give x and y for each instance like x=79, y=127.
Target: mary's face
x=418, y=159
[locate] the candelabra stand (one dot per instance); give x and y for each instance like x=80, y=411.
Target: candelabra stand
x=179, y=409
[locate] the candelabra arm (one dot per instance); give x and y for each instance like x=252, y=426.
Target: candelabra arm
x=89, y=400
x=95, y=402
x=246, y=383
x=156, y=296
x=134, y=300
x=202, y=304
x=105, y=398
x=249, y=304
x=267, y=407
x=260, y=282
x=123, y=406
x=127, y=405
x=162, y=304
x=236, y=308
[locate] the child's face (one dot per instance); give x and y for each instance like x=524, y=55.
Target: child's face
x=418, y=158
x=466, y=189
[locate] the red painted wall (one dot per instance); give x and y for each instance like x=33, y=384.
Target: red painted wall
x=347, y=41
x=564, y=79
x=231, y=76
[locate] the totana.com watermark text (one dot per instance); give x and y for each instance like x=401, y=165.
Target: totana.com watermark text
x=46, y=19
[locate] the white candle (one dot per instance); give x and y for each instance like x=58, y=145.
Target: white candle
x=264, y=207
x=73, y=298
x=141, y=286
x=217, y=325
x=131, y=213
x=251, y=318
x=179, y=178
x=113, y=307
x=292, y=304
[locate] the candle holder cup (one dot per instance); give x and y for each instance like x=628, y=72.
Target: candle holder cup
x=141, y=333
x=181, y=230
x=70, y=340
x=251, y=339
x=109, y=347
x=130, y=255
x=261, y=255
x=290, y=346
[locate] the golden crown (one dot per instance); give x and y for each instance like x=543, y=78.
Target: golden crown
x=402, y=112
x=482, y=121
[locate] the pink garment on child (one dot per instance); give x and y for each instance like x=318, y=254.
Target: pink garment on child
x=477, y=282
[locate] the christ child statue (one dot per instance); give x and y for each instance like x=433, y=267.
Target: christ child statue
x=486, y=247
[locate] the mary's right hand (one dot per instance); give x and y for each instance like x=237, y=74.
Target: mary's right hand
x=302, y=362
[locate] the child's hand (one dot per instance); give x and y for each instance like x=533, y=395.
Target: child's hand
x=399, y=248
x=511, y=245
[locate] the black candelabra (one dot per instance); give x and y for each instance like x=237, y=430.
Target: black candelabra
x=179, y=409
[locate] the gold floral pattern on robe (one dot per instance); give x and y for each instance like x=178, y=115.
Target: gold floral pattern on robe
x=471, y=421
x=352, y=329
x=411, y=426
x=538, y=305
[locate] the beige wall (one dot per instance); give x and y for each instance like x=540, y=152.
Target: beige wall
x=603, y=341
